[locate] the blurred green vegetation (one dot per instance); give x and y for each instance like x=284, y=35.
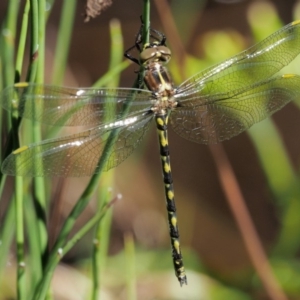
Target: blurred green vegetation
x=152, y=274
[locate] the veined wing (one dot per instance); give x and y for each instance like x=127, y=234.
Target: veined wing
x=215, y=121
x=79, y=154
x=60, y=106
x=255, y=64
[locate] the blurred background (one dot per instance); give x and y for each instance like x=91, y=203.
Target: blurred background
x=265, y=161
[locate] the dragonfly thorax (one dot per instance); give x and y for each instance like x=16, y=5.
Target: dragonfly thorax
x=158, y=81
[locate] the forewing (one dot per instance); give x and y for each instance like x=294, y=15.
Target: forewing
x=258, y=63
x=79, y=154
x=212, y=122
x=55, y=105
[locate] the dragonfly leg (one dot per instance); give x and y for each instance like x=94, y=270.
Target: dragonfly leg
x=130, y=57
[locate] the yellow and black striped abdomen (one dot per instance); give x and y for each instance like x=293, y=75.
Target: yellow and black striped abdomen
x=161, y=123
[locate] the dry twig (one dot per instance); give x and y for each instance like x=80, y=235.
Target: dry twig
x=95, y=7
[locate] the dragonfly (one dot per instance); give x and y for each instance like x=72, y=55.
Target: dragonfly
x=211, y=106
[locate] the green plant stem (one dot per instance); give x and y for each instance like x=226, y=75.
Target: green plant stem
x=63, y=41
x=7, y=51
x=145, y=36
x=22, y=40
x=102, y=230
x=66, y=229
x=108, y=76
x=21, y=283
x=37, y=68
x=17, y=204
x=104, y=80
x=130, y=267
x=116, y=50
x=49, y=6
x=89, y=225
x=34, y=247
x=269, y=146
x=63, y=250
x=78, y=208
x=7, y=44
x=10, y=30
x=284, y=187
x=7, y=231
x=19, y=62
x=19, y=219
x=146, y=20
x=41, y=41
x=39, y=191
x=34, y=46
x=8, y=40
x=69, y=223
x=101, y=238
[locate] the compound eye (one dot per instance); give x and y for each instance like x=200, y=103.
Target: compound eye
x=160, y=53
x=148, y=54
x=164, y=50
x=165, y=53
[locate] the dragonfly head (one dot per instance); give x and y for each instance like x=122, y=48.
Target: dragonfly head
x=154, y=52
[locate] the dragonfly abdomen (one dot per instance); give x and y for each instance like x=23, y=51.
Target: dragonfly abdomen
x=161, y=123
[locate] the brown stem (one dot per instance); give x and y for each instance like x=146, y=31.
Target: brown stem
x=249, y=234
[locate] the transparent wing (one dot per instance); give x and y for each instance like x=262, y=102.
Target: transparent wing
x=257, y=63
x=55, y=105
x=79, y=154
x=215, y=121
